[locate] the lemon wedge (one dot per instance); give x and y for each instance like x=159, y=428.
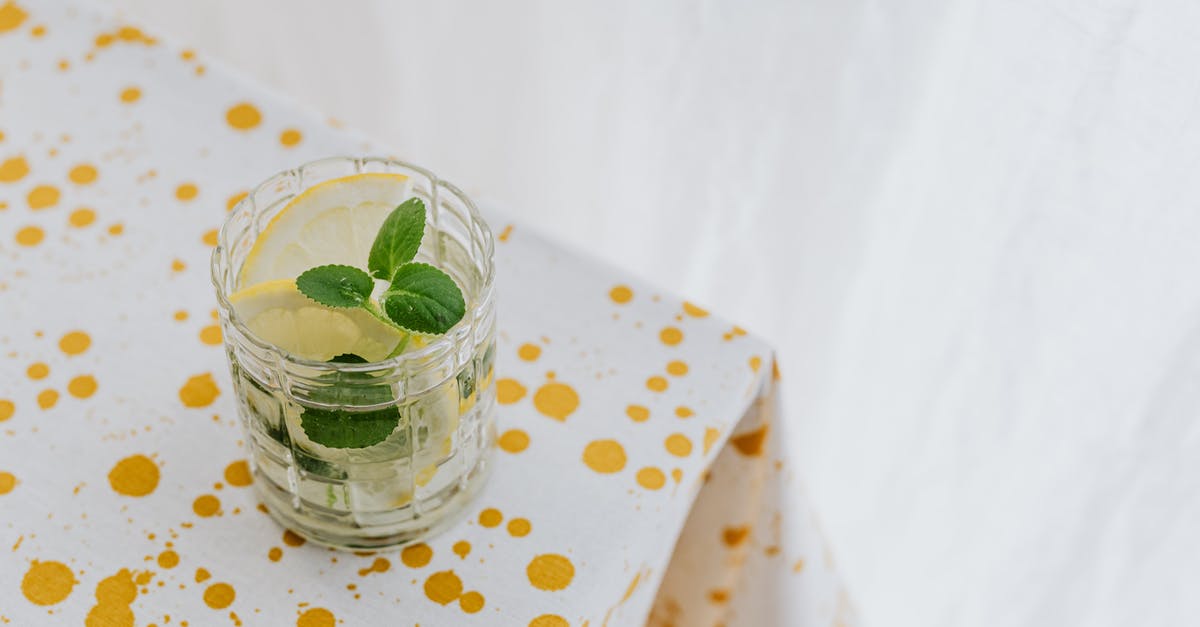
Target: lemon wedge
x=332, y=222
x=276, y=312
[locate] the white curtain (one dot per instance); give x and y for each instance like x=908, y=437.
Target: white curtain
x=972, y=229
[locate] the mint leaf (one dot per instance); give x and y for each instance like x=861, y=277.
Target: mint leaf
x=423, y=299
x=344, y=429
x=336, y=286
x=340, y=428
x=398, y=239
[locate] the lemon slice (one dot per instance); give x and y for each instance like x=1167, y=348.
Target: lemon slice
x=333, y=222
x=279, y=314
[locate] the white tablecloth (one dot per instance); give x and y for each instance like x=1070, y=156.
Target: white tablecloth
x=623, y=409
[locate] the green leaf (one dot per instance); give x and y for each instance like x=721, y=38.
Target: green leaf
x=398, y=239
x=423, y=299
x=341, y=428
x=336, y=286
x=347, y=358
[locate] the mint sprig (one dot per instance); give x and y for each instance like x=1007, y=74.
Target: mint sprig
x=419, y=298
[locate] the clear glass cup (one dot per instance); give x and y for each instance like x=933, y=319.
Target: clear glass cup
x=437, y=458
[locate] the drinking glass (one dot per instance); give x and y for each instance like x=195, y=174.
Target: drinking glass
x=440, y=394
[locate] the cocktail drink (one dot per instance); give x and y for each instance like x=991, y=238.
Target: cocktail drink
x=356, y=303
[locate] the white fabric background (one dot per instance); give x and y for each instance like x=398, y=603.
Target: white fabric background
x=969, y=227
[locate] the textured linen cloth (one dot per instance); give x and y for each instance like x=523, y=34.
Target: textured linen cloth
x=628, y=418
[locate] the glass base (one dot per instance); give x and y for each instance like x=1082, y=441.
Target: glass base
x=426, y=518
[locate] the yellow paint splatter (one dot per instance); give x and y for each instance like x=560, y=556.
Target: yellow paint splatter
x=7, y=409
x=11, y=16
x=556, y=400
x=509, y=391
x=693, y=310
x=130, y=95
x=37, y=32
x=471, y=602
x=291, y=538
x=506, y=233
x=211, y=335
x=30, y=236
x=656, y=383
x=798, y=566
x=180, y=315
x=684, y=412
x=677, y=474
x=199, y=391
x=416, y=555
x=83, y=174
x=443, y=587
x=316, y=617
x=710, y=437
x=380, y=565
x=733, y=536
x=670, y=336
x=42, y=197
x=519, y=527
x=243, y=116
x=651, y=478
x=210, y=237
x=13, y=169
x=136, y=475
x=490, y=517
x=202, y=575
x=168, y=559
x=219, y=596
x=718, y=596
x=116, y=229
x=290, y=137
x=549, y=620
x=637, y=413
x=186, y=191
x=117, y=590
x=529, y=352
x=678, y=445
x=47, y=398
x=750, y=444
x=234, y=200
x=238, y=474
x=550, y=571
x=275, y=554
x=81, y=217
x=37, y=370
x=621, y=294
x=8, y=481
x=82, y=386
x=677, y=368
x=604, y=456
x=513, y=441
x=462, y=549
x=206, y=505
x=47, y=583
x=74, y=343
x=755, y=363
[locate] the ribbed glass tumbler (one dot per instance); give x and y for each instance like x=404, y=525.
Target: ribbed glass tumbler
x=440, y=395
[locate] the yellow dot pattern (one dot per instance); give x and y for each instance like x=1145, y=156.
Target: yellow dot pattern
x=632, y=408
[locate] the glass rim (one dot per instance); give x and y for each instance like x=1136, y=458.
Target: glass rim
x=436, y=344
